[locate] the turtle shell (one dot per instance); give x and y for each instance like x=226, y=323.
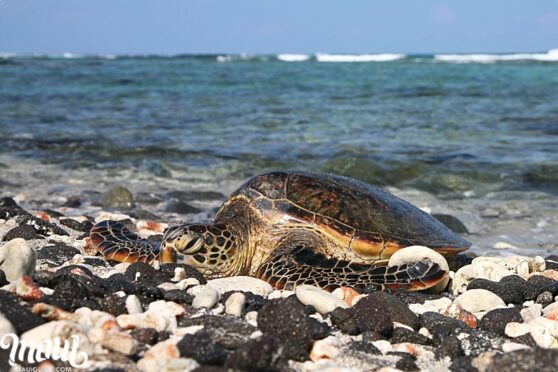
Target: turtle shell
x=359, y=216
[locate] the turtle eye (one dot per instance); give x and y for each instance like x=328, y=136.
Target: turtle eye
x=193, y=245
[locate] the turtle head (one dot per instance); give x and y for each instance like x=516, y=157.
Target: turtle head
x=207, y=247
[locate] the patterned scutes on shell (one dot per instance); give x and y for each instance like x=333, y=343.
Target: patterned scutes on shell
x=348, y=207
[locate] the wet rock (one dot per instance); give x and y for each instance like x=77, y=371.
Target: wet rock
x=287, y=320
x=207, y=298
x=142, y=214
x=451, y=222
x=19, y=316
x=344, y=321
x=156, y=168
x=84, y=226
x=402, y=334
x=323, y=301
x=479, y=301
x=17, y=259
x=496, y=320
x=149, y=198
x=56, y=255
x=118, y=197
x=261, y=354
x=241, y=283
x=200, y=347
x=196, y=195
x=536, y=285
x=26, y=232
x=539, y=360
x=511, y=292
x=379, y=310
x=72, y=201
x=180, y=207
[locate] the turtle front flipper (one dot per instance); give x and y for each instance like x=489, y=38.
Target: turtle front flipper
x=115, y=242
x=303, y=265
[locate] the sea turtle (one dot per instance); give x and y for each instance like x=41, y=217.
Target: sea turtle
x=291, y=228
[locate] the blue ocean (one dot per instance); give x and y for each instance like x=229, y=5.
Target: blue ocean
x=463, y=130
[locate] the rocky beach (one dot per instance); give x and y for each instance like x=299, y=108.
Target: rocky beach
x=497, y=312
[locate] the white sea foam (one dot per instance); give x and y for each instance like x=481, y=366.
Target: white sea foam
x=293, y=57
x=8, y=55
x=384, y=57
x=550, y=56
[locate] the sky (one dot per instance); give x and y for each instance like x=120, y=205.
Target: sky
x=286, y=26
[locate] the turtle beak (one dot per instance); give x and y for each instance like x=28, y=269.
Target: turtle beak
x=168, y=254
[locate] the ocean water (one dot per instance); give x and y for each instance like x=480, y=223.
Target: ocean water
x=472, y=135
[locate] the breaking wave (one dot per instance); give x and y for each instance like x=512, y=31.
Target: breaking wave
x=384, y=57
x=550, y=56
x=293, y=57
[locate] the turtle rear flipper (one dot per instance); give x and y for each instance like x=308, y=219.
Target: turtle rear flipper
x=115, y=242
x=302, y=265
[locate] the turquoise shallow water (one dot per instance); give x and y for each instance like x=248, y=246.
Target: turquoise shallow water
x=445, y=128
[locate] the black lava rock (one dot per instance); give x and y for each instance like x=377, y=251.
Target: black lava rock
x=540, y=360
x=344, y=321
x=142, y=214
x=442, y=327
x=451, y=222
x=552, y=262
x=144, y=273
x=41, y=226
x=84, y=226
x=407, y=363
x=261, y=354
x=401, y=334
x=148, y=336
x=545, y=298
x=551, y=288
x=379, y=310
x=364, y=347
x=320, y=329
x=200, y=347
x=181, y=207
x=287, y=320
x=9, y=209
x=114, y=304
x=56, y=255
x=463, y=364
x=228, y=331
x=450, y=347
x=26, y=232
x=496, y=320
x=253, y=302
x=178, y=296
x=168, y=270
x=509, y=292
x=535, y=285
x=526, y=339
x=409, y=297
x=22, y=318
x=3, y=280
x=480, y=341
